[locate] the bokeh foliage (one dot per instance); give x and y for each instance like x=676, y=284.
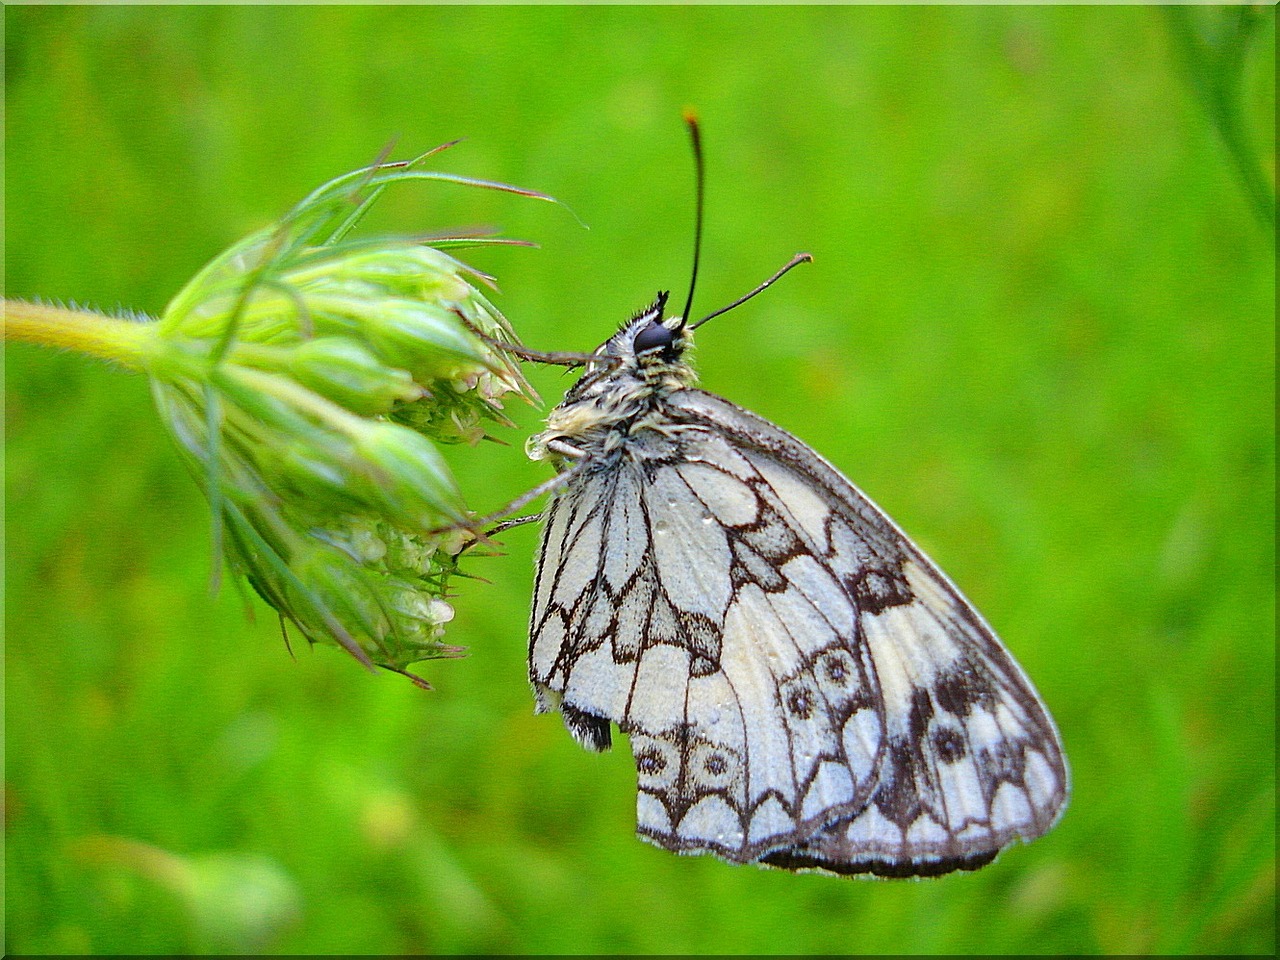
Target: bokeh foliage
x=1039, y=331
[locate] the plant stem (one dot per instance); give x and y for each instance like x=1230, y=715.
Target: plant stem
x=127, y=342
x=1215, y=68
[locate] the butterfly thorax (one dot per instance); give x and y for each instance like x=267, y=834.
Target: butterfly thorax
x=622, y=395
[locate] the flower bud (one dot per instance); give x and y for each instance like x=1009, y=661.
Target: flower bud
x=350, y=375
x=305, y=376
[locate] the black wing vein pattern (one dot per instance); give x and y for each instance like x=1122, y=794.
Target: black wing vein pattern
x=801, y=686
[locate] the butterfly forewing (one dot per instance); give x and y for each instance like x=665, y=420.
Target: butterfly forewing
x=728, y=657
x=800, y=685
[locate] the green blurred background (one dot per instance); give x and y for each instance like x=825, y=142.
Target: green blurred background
x=1039, y=331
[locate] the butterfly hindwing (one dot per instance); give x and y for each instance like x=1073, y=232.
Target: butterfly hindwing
x=972, y=760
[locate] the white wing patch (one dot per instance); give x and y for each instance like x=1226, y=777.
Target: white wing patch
x=801, y=686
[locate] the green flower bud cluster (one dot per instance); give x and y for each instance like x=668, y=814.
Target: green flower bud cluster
x=307, y=379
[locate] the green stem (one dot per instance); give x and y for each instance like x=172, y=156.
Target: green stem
x=1216, y=70
x=129, y=343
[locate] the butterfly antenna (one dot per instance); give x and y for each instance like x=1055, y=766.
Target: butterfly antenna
x=691, y=120
x=795, y=261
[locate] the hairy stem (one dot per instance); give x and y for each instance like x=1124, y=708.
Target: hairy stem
x=126, y=342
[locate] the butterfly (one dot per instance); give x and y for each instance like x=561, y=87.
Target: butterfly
x=801, y=686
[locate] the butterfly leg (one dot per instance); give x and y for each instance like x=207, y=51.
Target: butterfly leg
x=498, y=528
x=555, y=483
x=566, y=449
x=558, y=358
x=513, y=522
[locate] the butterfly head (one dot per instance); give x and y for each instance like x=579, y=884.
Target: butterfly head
x=640, y=365
x=650, y=347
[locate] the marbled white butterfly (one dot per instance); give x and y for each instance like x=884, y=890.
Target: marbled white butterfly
x=801, y=686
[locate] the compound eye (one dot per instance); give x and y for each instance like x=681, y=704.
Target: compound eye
x=652, y=337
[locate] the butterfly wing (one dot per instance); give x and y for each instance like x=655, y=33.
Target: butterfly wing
x=684, y=608
x=801, y=686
